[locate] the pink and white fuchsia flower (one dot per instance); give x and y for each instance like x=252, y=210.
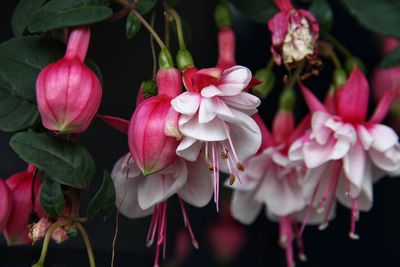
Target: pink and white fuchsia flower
x=294, y=34
x=139, y=196
x=345, y=153
x=215, y=116
x=272, y=179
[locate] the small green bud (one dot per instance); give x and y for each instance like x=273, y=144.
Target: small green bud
x=354, y=61
x=165, y=59
x=133, y=26
x=149, y=88
x=339, y=77
x=184, y=59
x=223, y=15
x=266, y=76
x=287, y=100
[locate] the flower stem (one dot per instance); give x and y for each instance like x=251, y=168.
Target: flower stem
x=153, y=51
x=87, y=243
x=338, y=45
x=149, y=28
x=47, y=238
x=178, y=22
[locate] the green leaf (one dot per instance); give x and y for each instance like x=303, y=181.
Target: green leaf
x=61, y=13
x=322, y=11
x=133, y=26
x=392, y=59
x=103, y=202
x=23, y=14
x=257, y=10
x=64, y=162
x=145, y=6
x=380, y=16
x=52, y=197
x=21, y=60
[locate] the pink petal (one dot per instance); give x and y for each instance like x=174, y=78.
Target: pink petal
x=312, y=102
x=115, y=122
x=267, y=139
x=278, y=25
x=284, y=5
x=311, y=19
x=352, y=98
x=5, y=204
x=198, y=189
x=301, y=129
x=186, y=103
x=158, y=187
x=383, y=107
x=204, y=78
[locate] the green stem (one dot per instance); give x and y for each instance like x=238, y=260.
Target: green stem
x=295, y=77
x=270, y=64
x=178, y=23
x=47, y=238
x=87, y=243
x=167, y=30
x=149, y=28
x=153, y=51
x=338, y=45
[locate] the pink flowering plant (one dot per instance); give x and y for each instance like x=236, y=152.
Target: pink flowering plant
x=197, y=136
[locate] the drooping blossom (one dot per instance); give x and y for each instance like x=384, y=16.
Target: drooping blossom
x=25, y=206
x=272, y=179
x=139, y=196
x=5, y=204
x=215, y=118
x=153, y=130
x=345, y=153
x=294, y=34
x=68, y=92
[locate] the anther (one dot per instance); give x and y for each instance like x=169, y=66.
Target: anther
x=224, y=155
x=302, y=257
x=323, y=226
x=232, y=179
x=239, y=166
x=354, y=236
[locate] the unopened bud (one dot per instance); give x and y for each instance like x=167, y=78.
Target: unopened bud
x=149, y=88
x=184, y=59
x=222, y=15
x=267, y=78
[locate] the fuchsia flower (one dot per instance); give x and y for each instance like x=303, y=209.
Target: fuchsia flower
x=226, y=48
x=384, y=80
x=272, y=179
x=215, y=116
x=24, y=204
x=5, y=204
x=294, y=34
x=139, y=196
x=345, y=153
x=153, y=129
x=68, y=92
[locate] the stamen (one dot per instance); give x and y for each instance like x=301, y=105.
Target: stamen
x=309, y=210
x=238, y=164
x=348, y=188
x=286, y=237
x=187, y=224
x=336, y=172
x=215, y=173
x=302, y=256
x=231, y=179
x=354, y=218
x=328, y=190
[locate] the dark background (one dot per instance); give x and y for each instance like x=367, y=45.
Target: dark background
x=125, y=63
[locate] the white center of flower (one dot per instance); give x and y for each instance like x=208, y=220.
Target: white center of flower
x=298, y=43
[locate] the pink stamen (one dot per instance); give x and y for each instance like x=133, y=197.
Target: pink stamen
x=215, y=173
x=231, y=143
x=158, y=224
x=188, y=225
x=309, y=211
x=302, y=256
x=354, y=218
x=153, y=227
x=328, y=190
x=286, y=238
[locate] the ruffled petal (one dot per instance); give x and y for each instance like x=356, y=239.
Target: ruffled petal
x=186, y=103
x=205, y=115
x=388, y=161
x=213, y=130
x=365, y=137
x=384, y=137
x=189, y=148
x=210, y=91
x=234, y=80
x=354, y=165
x=278, y=25
x=243, y=101
x=160, y=186
x=218, y=107
x=321, y=132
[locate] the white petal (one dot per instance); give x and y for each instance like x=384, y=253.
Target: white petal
x=186, y=103
x=384, y=137
x=243, y=120
x=218, y=106
x=210, y=91
x=388, y=161
x=315, y=154
x=189, y=149
x=205, y=115
x=340, y=149
x=281, y=194
x=321, y=132
x=244, y=208
x=210, y=131
x=156, y=188
x=365, y=137
x=243, y=101
x=354, y=164
x=234, y=80
x=126, y=188
x=198, y=188
x=316, y=217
